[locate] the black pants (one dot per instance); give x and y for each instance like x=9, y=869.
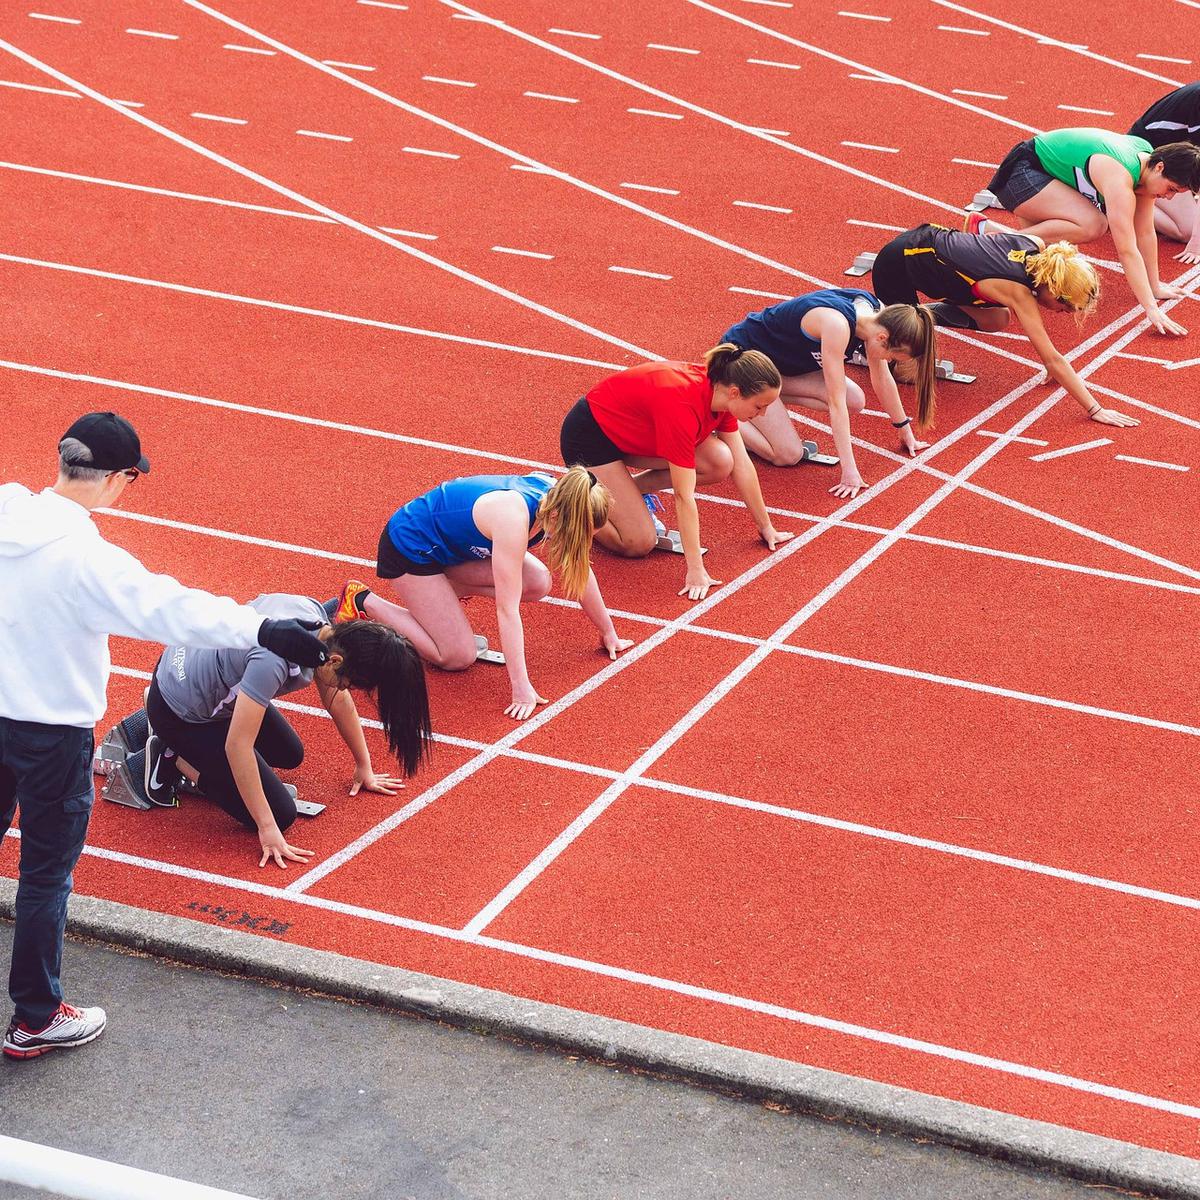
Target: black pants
x=203, y=745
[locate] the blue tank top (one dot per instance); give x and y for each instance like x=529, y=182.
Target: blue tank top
x=776, y=330
x=438, y=527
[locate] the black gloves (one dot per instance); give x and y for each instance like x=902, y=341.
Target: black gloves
x=293, y=640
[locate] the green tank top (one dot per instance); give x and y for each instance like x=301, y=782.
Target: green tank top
x=1064, y=153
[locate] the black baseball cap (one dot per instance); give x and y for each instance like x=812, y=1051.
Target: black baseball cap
x=112, y=440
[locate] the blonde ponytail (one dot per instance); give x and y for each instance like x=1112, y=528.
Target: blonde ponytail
x=571, y=512
x=1066, y=275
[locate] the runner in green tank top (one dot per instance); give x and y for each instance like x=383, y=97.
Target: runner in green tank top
x=1074, y=184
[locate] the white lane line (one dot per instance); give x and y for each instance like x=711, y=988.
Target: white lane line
x=1046, y=41
x=595, y=37
x=635, y=271
x=1183, y=62
x=652, y=112
x=439, y=79
x=1095, y=112
x=316, y=133
x=641, y=979
x=63, y=1172
x=765, y=295
x=522, y=253
x=875, y=225
x=645, y=187
x=545, y=95
x=384, y=4
x=51, y=17
x=770, y=62
x=333, y=62
x=33, y=87
x=764, y=207
x=670, y=49
x=278, y=306
x=862, y=16
x=960, y=29
x=980, y=95
x=1151, y=462
x=520, y=166
x=248, y=49
x=772, y=132
x=974, y=162
x=869, y=146
x=150, y=33
x=872, y=78
x=770, y=3
x=226, y=120
x=429, y=153
x=1008, y=437
x=1077, y=449
x=412, y=233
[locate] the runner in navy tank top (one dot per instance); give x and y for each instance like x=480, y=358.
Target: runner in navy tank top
x=809, y=339
x=978, y=279
x=1175, y=118
x=472, y=537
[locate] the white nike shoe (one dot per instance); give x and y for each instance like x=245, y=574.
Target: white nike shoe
x=68, y=1026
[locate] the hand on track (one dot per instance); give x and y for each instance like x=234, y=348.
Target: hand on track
x=848, y=486
x=773, y=537
x=697, y=584
x=524, y=701
x=1161, y=322
x=1189, y=254
x=1109, y=416
x=614, y=645
x=275, y=846
x=386, y=785
x=909, y=442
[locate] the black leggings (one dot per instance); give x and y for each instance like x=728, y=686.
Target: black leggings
x=203, y=746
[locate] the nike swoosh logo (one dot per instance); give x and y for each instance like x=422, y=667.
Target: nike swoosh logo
x=155, y=783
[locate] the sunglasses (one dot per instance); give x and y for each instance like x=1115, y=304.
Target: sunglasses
x=130, y=473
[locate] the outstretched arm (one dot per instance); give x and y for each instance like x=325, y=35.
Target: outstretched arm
x=340, y=706
x=596, y=611
x=831, y=329
x=697, y=581
x=745, y=479
x=884, y=384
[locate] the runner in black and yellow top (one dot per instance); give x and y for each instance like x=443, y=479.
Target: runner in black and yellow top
x=1175, y=118
x=980, y=279
x=1072, y=184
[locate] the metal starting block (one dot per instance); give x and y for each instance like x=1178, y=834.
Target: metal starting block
x=122, y=739
x=823, y=460
x=984, y=199
x=673, y=543
x=862, y=265
x=945, y=370
x=116, y=788
x=483, y=654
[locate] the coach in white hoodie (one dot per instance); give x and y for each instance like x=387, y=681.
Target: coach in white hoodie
x=63, y=590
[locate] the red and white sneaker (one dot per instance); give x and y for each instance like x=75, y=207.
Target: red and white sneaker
x=348, y=608
x=974, y=223
x=69, y=1026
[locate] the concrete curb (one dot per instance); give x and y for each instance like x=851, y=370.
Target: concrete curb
x=896, y=1110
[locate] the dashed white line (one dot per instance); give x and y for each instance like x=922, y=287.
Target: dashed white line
x=981, y=95
x=129, y=103
x=384, y=4
x=1070, y=450
x=645, y=187
x=425, y=237
x=430, y=153
x=550, y=96
x=875, y=225
x=449, y=82
x=51, y=17
x=974, y=162
x=1183, y=62
x=868, y=146
x=651, y=112
x=765, y=207
x=517, y=167
x=224, y=120
x=331, y=137
x=595, y=37
x=247, y=49
x=1151, y=462
x=1011, y=437
x=1095, y=112
x=33, y=87
x=770, y=3
x=770, y=62
x=1190, y=3
x=345, y=66
x=863, y=16
x=635, y=271
x=874, y=78
x=671, y=49
x=769, y=132
x=960, y=29
x=766, y=295
x=168, y=37
x=522, y=253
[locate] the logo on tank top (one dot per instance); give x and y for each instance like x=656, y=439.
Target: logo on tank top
x=481, y=551
x=1017, y=255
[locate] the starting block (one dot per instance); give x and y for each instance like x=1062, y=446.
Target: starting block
x=673, y=543
x=945, y=370
x=483, y=654
x=304, y=808
x=823, y=460
x=984, y=199
x=862, y=265
x=117, y=789
x=122, y=739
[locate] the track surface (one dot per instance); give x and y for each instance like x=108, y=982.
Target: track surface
x=914, y=799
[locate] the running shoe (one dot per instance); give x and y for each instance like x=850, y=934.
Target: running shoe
x=161, y=774
x=654, y=506
x=349, y=606
x=68, y=1026
x=973, y=222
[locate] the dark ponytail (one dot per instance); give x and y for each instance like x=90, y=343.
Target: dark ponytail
x=377, y=659
x=910, y=327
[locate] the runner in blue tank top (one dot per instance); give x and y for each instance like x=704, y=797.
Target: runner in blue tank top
x=809, y=339
x=472, y=537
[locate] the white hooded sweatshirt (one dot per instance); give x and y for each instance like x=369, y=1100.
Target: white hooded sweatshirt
x=64, y=589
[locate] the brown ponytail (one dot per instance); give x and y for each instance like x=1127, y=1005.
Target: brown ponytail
x=571, y=512
x=750, y=371
x=911, y=328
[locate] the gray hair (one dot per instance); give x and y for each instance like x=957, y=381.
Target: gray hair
x=73, y=460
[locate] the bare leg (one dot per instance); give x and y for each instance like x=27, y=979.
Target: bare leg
x=714, y=462
x=1061, y=214
x=629, y=530
x=773, y=436
x=430, y=617
x=989, y=320
x=808, y=391
x=475, y=579
x=1175, y=217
